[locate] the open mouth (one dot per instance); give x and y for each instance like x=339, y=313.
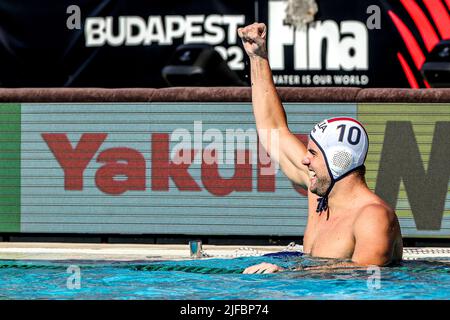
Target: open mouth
x=312, y=176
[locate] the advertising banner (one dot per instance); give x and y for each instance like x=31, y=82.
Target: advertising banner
x=146, y=168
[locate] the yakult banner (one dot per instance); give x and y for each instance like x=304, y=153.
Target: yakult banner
x=106, y=43
x=185, y=168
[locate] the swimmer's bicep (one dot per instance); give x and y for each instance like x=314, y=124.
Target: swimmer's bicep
x=373, y=237
x=291, y=153
x=294, y=174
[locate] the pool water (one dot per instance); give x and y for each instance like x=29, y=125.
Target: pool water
x=206, y=279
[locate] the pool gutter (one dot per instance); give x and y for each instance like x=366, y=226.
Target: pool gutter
x=152, y=252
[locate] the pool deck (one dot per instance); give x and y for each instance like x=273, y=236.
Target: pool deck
x=121, y=252
x=151, y=252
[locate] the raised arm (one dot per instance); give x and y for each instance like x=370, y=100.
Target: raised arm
x=268, y=110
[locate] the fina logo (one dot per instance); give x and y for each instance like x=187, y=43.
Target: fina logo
x=343, y=53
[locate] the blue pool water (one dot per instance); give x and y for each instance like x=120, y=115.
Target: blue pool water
x=218, y=279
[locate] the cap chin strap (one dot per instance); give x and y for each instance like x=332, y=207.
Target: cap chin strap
x=323, y=201
x=322, y=204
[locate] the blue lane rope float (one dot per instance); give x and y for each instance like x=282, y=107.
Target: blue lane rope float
x=144, y=267
x=424, y=267
x=194, y=269
x=37, y=266
x=191, y=269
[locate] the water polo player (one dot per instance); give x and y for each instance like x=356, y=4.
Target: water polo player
x=346, y=220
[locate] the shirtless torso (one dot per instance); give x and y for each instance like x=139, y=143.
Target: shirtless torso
x=332, y=235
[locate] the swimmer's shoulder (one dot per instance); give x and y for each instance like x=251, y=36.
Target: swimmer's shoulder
x=376, y=213
x=373, y=203
x=378, y=218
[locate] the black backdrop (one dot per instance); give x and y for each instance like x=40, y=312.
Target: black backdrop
x=38, y=50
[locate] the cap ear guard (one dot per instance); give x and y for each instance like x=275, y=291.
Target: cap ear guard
x=340, y=160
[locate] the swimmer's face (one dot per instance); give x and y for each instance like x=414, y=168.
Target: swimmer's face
x=319, y=177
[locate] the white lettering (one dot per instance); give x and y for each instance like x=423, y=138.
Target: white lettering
x=179, y=152
x=213, y=152
x=357, y=44
x=155, y=31
x=346, y=45
x=323, y=30
x=134, y=39
x=279, y=34
x=120, y=38
x=301, y=49
x=95, y=32
x=164, y=30
x=233, y=23
x=73, y=281
x=215, y=34
x=193, y=29
x=171, y=30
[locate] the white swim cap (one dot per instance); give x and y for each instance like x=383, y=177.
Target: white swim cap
x=344, y=143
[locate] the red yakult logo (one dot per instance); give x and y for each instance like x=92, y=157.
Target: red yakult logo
x=166, y=164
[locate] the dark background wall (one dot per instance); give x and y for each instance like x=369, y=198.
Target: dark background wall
x=37, y=49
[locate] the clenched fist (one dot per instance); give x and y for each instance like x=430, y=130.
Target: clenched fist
x=254, y=39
